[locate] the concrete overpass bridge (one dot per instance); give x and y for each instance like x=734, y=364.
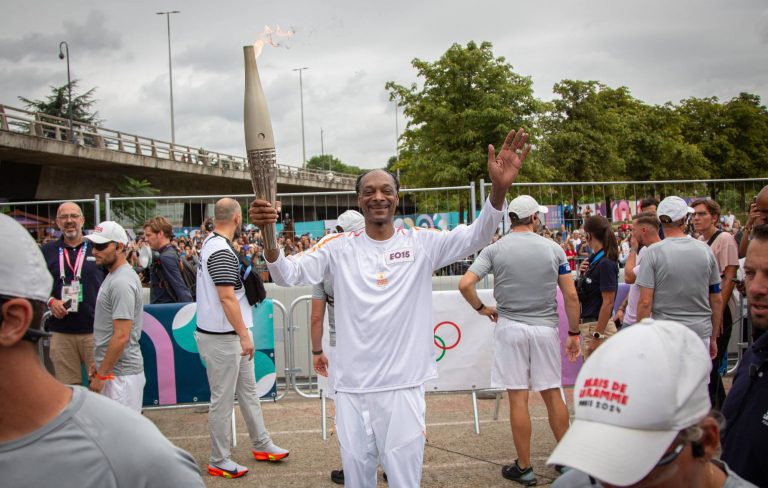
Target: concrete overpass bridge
x=42, y=158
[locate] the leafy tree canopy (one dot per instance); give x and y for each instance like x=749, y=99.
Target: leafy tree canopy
x=468, y=98
x=328, y=162
x=133, y=213
x=57, y=104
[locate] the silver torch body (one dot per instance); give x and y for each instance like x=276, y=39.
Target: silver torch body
x=259, y=142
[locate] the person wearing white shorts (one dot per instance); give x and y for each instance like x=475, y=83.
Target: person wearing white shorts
x=127, y=389
x=526, y=357
x=118, y=370
x=527, y=270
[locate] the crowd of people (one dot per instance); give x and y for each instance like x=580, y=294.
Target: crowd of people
x=650, y=405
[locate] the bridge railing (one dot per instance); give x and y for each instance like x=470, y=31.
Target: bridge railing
x=42, y=125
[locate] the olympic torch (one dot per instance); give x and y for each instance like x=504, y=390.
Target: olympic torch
x=259, y=142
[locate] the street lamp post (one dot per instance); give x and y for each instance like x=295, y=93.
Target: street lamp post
x=301, y=98
x=397, y=132
x=62, y=55
x=170, y=68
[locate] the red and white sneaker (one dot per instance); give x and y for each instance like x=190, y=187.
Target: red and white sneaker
x=270, y=452
x=227, y=469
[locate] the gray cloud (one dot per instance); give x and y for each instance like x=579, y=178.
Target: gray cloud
x=88, y=36
x=661, y=50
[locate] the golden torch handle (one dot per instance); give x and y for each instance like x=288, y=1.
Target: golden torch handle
x=264, y=179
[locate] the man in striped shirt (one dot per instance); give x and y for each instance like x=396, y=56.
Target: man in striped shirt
x=223, y=319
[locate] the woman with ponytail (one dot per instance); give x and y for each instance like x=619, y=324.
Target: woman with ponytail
x=599, y=282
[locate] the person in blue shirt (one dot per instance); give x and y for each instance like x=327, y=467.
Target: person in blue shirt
x=600, y=278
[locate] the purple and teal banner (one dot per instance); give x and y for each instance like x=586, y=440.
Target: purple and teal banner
x=172, y=365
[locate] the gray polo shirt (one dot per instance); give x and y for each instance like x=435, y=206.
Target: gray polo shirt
x=577, y=479
x=120, y=298
x=682, y=271
x=96, y=442
x=324, y=291
x=525, y=268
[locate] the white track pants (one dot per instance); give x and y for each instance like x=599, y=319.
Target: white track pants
x=386, y=425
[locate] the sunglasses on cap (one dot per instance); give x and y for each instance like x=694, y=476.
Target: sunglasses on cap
x=101, y=246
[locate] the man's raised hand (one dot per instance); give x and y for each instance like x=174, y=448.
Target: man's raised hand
x=503, y=167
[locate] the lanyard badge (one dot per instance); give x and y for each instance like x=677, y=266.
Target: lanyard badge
x=72, y=293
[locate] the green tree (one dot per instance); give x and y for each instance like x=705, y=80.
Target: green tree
x=328, y=162
x=654, y=148
x=583, y=128
x=703, y=124
x=57, y=104
x=134, y=213
x=746, y=122
x=468, y=98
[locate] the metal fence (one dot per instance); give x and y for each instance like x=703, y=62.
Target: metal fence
x=443, y=207
x=39, y=217
x=618, y=200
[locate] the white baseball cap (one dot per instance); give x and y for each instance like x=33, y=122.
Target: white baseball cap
x=22, y=266
x=108, y=231
x=673, y=207
x=525, y=206
x=632, y=397
x=351, y=220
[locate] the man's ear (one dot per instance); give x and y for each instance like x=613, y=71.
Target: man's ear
x=710, y=441
x=17, y=316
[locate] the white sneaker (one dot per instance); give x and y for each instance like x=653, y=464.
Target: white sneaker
x=270, y=452
x=227, y=469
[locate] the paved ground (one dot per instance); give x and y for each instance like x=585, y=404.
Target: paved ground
x=454, y=457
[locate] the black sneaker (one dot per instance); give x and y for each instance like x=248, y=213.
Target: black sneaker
x=522, y=476
x=337, y=476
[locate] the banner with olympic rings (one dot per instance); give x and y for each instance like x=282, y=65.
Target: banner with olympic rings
x=464, y=343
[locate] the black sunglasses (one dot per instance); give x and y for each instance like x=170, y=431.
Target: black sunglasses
x=671, y=456
x=31, y=335
x=101, y=246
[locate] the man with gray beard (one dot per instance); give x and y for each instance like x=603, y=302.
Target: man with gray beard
x=76, y=283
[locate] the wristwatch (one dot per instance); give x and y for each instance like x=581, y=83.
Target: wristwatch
x=598, y=335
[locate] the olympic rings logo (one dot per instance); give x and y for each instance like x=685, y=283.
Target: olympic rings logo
x=440, y=342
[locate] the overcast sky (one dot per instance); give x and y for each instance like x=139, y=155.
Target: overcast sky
x=662, y=50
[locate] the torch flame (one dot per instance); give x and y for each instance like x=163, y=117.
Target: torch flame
x=268, y=37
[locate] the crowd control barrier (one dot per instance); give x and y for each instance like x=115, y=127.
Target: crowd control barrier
x=173, y=368
x=463, y=342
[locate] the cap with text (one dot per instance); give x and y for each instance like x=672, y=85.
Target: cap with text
x=525, y=206
x=22, y=266
x=108, y=231
x=632, y=398
x=673, y=207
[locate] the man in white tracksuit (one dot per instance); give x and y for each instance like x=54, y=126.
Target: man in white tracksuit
x=383, y=294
